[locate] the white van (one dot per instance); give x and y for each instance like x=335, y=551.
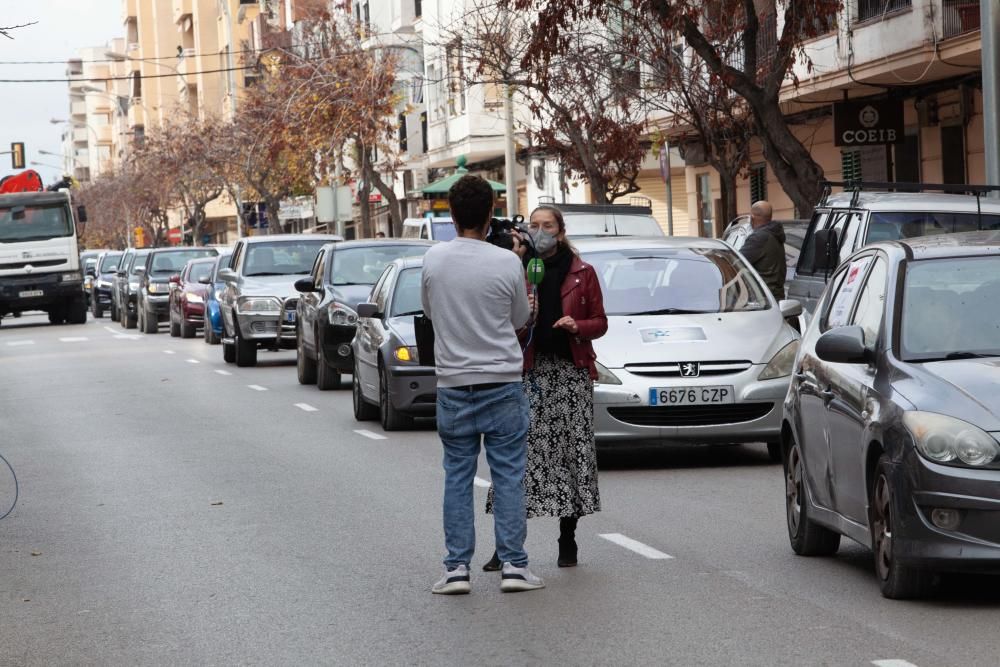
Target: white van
x=435, y=229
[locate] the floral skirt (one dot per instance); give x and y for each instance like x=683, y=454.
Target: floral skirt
x=561, y=475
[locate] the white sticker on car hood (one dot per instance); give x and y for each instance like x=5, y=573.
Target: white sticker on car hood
x=671, y=334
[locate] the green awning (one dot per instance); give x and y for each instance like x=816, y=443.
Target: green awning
x=442, y=186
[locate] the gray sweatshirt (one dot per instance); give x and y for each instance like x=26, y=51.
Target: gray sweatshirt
x=475, y=294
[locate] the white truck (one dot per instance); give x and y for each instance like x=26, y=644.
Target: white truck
x=39, y=256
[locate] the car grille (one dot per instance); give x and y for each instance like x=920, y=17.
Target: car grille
x=692, y=415
x=673, y=368
x=35, y=263
x=264, y=327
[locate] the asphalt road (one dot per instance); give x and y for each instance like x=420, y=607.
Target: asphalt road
x=177, y=510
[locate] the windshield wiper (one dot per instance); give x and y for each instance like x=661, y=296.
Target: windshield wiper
x=348, y=284
x=412, y=312
x=953, y=356
x=671, y=311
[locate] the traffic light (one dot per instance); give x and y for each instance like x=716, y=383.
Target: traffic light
x=17, y=155
x=140, y=237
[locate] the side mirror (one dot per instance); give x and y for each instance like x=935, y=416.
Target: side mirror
x=367, y=310
x=139, y=270
x=790, y=308
x=227, y=275
x=843, y=345
x=305, y=285
x=827, y=250
x=175, y=279
x=205, y=280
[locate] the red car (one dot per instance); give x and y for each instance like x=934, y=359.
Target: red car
x=187, y=297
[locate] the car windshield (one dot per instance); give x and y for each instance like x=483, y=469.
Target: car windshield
x=950, y=309
x=406, y=298
x=890, y=226
x=166, y=263
x=109, y=263
x=36, y=224
x=600, y=224
x=138, y=262
x=281, y=258
x=363, y=265
x=675, y=281
x=444, y=231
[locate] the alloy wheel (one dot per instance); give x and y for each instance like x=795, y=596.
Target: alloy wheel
x=793, y=490
x=882, y=527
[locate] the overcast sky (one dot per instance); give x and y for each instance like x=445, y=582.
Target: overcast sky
x=63, y=27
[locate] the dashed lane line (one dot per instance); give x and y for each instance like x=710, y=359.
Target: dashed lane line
x=222, y=372
x=73, y=339
x=192, y=361
x=370, y=435
x=892, y=663
x=257, y=387
x=169, y=352
x=481, y=483
x=20, y=343
x=636, y=546
x=306, y=407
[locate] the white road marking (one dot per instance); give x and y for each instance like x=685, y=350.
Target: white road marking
x=126, y=337
x=892, y=663
x=257, y=387
x=192, y=361
x=19, y=343
x=169, y=352
x=222, y=372
x=306, y=407
x=370, y=435
x=633, y=545
x=112, y=331
x=481, y=483
x=73, y=339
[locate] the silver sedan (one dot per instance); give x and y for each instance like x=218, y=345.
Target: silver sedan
x=697, y=350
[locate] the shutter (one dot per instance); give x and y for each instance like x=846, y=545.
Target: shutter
x=655, y=190
x=850, y=165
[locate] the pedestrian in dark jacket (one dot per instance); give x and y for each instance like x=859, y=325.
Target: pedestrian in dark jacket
x=559, y=370
x=765, y=248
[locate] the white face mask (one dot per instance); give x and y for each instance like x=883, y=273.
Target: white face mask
x=544, y=241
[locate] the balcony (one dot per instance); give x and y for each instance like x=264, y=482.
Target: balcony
x=81, y=135
x=182, y=8
x=78, y=108
x=959, y=17
x=105, y=134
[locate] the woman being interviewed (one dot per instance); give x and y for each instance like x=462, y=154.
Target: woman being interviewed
x=561, y=477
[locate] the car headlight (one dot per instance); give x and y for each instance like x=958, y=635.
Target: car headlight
x=948, y=440
x=255, y=305
x=782, y=363
x=88, y=282
x=341, y=315
x=159, y=288
x=405, y=353
x=604, y=376
x=194, y=298
x=71, y=277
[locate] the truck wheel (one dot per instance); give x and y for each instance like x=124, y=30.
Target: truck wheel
x=76, y=312
x=57, y=315
x=114, y=312
x=95, y=308
x=391, y=418
x=130, y=320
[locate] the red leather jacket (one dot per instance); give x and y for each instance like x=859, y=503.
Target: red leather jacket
x=582, y=300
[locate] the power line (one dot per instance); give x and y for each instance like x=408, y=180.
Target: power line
x=120, y=60
x=129, y=78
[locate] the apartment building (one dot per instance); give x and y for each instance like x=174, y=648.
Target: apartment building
x=907, y=72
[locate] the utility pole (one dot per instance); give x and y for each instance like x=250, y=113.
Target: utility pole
x=508, y=151
x=231, y=86
x=990, y=22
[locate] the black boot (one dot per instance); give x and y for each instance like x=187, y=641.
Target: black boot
x=494, y=563
x=567, y=541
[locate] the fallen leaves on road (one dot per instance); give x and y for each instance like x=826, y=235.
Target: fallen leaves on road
x=36, y=553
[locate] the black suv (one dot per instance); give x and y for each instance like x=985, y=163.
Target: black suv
x=126, y=284
x=153, y=293
x=341, y=278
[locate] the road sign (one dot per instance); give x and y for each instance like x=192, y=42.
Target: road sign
x=175, y=235
x=17, y=155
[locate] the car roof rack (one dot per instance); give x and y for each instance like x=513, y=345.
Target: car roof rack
x=856, y=187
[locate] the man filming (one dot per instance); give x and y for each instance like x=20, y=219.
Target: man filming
x=475, y=294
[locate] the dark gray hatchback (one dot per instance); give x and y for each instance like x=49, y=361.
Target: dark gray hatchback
x=892, y=419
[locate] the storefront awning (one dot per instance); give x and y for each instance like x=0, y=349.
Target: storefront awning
x=442, y=186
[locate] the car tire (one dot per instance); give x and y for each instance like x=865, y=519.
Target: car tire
x=774, y=452
x=57, y=315
x=175, y=329
x=131, y=321
x=76, y=312
x=897, y=580
x=95, y=308
x=363, y=410
x=228, y=353
x=149, y=322
x=327, y=377
x=807, y=538
x=391, y=418
x=187, y=330
x=305, y=367
x=246, y=352
x=114, y=312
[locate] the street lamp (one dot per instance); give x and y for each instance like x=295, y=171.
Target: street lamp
x=61, y=121
x=45, y=164
x=74, y=158
x=122, y=57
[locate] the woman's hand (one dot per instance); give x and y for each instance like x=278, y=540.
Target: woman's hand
x=567, y=323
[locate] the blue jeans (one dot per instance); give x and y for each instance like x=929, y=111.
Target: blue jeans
x=499, y=418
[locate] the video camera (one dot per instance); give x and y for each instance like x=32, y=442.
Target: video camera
x=500, y=232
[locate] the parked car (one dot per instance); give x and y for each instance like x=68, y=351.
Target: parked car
x=795, y=231
x=258, y=303
x=153, y=295
x=89, y=272
x=429, y=229
x=697, y=350
x=585, y=220
x=187, y=297
x=341, y=278
x=891, y=423
x=389, y=382
x=106, y=266
x=126, y=285
x=212, y=326
x=843, y=223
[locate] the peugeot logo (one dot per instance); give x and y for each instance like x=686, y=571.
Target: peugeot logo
x=690, y=370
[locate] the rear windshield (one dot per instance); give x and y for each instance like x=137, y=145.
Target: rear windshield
x=166, y=263
x=364, y=265
x=892, y=226
x=281, y=258
x=601, y=224
x=676, y=281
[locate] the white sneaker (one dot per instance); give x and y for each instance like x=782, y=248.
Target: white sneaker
x=454, y=582
x=516, y=579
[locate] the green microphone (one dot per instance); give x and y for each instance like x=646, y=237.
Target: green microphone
x=536, y=271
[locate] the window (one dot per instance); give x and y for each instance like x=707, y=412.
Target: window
x=875, y=9
x=417, y=9
x=870, y=163
x=843, y=297
x=383, y=291
x=953, y=154
x=705, y=204
x=871, y=303
x=850, y=164
x=455, y=78
x=758, y=182
x=402, y=132
x=317, y=272
x=406, y=299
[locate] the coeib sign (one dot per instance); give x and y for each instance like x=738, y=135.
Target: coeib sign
x=868, y=122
